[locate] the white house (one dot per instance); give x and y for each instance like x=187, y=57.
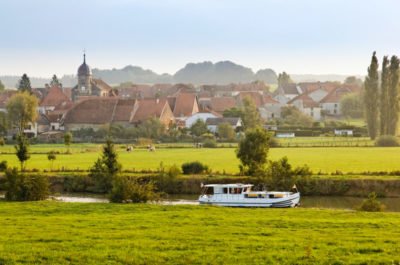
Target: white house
x=199, y=116
x=212, y=123
x=307, y=105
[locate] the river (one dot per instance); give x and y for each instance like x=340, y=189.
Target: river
x=332, y=202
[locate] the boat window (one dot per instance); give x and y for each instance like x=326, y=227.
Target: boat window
x=235, y=190
x=209, y=191
x=225, y=190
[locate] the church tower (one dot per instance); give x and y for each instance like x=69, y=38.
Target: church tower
x=84, y=78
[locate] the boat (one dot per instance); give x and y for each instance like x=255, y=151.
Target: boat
x=241, y=195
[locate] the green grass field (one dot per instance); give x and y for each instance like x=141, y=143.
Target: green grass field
x=74, y=233
x=325, y=160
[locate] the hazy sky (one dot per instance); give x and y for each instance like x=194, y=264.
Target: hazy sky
x=43, y=37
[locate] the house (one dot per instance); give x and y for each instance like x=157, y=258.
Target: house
x=271, y=108
x=307, y=105
x=204, y=116
x=212, y=123
x=289, y=91
x=97, y=112
x=330, y=104
x=54, y=97
x=183, y=105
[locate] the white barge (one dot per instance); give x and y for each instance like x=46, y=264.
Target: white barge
x=241, y=195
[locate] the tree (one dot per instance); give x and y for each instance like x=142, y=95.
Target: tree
x=384, y=104
x=51, y=156
x=24, y=84
x=55, y=82
x=292, y=116
x=151, y=128
x=2, y=87
x=21, y=109
x=284, y=79
x=352, y=80
x=225, y=131
x=198, y=128
x=371, y=97
x=4, y=123
x=393, y=96
x=233, y=113
x=351, y=105
x=253, y=151
x=22, y=150
x=251, y=117
x=105, y=168
x=68, y=140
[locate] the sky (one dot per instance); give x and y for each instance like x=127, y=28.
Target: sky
x=46, y=37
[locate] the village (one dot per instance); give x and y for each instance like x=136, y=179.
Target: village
x=93, y=103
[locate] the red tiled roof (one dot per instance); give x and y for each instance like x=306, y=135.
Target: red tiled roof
x=124, y=110
x=220, y=104
x=92, y=111
x=269, y=100
x=336, y=95
x=54, y=97
x=307, y=101
x=5, y=96
x=185, y=104
x=148, y=108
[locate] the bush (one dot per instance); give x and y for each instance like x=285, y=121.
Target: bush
x=167, y=179
x=387, y=140
x=372, y=204
x=195, y=167
x=3, y=166
x=126, y=189
x=273, y=142
x=25, y=188
x=210, y=143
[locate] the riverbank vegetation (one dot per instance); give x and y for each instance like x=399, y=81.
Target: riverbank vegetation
x=75, y=233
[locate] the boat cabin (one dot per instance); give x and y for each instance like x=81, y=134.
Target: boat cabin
x=212, y=189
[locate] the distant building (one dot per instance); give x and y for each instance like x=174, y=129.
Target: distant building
x=212, y=123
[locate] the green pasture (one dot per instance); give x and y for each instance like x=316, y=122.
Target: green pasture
x=76, y=233
x=321, y=159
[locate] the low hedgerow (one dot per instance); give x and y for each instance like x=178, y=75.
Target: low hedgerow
x=387, y=141
x=195, y=167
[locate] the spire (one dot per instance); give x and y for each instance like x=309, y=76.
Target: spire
x=84, y=57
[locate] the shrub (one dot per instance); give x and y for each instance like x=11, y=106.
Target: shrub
x=273, y=142
x=2, y=141
x=195, y=167
x=372, y=204
x=3, y=166
x=25, y=188
x=126, y=189
x=210, y=143
x=167, y=179
x=387, y=140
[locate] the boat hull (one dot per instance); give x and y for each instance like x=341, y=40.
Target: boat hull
x=286, y=202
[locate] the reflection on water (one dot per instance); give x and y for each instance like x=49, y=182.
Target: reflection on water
x=334, y=202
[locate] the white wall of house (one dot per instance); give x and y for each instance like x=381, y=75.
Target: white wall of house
x=331, y=108
x=315, y=113
x=198, y=116
x=282, y=99
x=31, y=128
x=270, y=111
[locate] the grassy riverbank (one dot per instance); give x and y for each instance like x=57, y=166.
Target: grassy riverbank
x=73, y=233
x=325, y=160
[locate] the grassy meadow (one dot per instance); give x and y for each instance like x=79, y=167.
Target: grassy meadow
x=319, y=159
x=76, y=233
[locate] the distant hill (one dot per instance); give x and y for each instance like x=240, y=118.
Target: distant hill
x=221, y=73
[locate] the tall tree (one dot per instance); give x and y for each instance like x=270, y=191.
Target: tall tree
x=384, y=97
x=24, y=84
x=68, y=140
x=371, y=97
x=393, y=92
x=55, y=82
x=251, y=117
x=2, y=87
x=21, y=109
x=22, y=150
x=284, y=79
x=198, y=128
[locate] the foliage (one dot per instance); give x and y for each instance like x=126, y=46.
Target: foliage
x=226, y=132
x=126, y=189
x=372, y=204
x=294, y=117
x=233, y=113
x=251, y=117
x=281, y=176
x=3, y=165
x=387, y=140
x=51, y=156
x=384, y=107
x=371, y=85
x=24, y=84
x=22, y=150
x=105, y=168
x=195, y=167
x=393, y=96
x=55, y=82
x=166, y=180
x=252, y=151
x=2, y=141
x=284, y=79
x=352, y=80
x=4, y=123
x=198, y=128
x=273, y=142
x=68, y=140
x=2, y=87
x=351, y=105
x=210, y=143
x=21, y=109
x=151, y=128
x=20, y=187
